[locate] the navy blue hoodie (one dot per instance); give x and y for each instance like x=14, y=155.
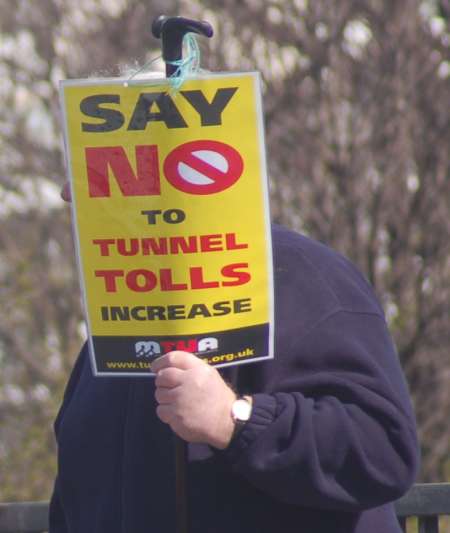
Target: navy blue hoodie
x=330, y=443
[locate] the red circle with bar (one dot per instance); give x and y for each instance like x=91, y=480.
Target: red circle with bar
x=203, y=167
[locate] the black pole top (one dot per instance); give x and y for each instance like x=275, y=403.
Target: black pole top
x=171, y=30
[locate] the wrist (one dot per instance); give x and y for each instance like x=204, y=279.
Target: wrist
x=225, y=427
x=238, y=412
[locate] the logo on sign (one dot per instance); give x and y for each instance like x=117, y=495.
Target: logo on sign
x=203, y=167
x=207, y=344
x=147, y=349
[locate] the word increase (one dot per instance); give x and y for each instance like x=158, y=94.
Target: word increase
x=175, y=312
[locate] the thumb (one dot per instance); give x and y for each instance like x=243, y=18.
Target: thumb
x=176, y=359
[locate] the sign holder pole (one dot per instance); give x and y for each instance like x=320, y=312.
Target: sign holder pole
x=171, y=31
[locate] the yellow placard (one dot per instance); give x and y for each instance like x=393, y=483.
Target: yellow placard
x=170, y=210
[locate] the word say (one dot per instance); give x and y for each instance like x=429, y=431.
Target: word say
x=103, y=108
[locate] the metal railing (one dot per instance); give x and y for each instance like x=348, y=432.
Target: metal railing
x=24, y=517
x=425, y=502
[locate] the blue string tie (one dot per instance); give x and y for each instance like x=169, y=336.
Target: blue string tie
x=187, y=66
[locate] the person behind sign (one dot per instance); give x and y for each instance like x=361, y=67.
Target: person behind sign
x=320, y=439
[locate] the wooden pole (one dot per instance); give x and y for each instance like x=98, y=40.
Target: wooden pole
x=181, y=504
x=171, y=30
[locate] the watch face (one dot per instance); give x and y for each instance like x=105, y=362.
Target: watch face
x=241, y=410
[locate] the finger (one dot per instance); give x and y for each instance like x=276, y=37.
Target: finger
x=169, y=377
x=166, y=396
x=66, y=194
x=176, y=359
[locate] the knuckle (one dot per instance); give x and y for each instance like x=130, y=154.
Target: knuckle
x=205, y=374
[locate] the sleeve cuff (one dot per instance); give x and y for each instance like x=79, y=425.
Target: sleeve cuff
x=263, y=413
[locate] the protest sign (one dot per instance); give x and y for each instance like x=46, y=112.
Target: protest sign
x=170, y=211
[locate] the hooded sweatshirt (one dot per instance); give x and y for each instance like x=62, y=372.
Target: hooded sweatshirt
x=330, y=443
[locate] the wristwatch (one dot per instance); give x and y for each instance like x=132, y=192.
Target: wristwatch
x=241, y=411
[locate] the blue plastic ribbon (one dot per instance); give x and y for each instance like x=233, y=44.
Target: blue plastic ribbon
x=187, y=66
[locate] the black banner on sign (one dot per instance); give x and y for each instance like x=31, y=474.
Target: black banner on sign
x=117, y=355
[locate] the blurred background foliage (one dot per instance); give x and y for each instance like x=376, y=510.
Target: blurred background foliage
x=356, y=97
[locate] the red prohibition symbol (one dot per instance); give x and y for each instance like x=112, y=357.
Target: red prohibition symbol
x=203, y=167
